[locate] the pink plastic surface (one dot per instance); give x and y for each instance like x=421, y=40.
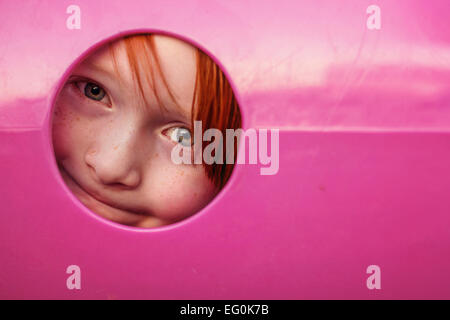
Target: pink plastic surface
x=364, y=179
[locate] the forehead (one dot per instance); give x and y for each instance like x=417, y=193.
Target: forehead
x=177, y=60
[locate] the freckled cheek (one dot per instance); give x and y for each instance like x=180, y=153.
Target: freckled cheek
x=71, y=132
x=182, y=191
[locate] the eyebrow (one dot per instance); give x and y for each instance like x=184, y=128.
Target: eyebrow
x=110, y=73
x=172, y=108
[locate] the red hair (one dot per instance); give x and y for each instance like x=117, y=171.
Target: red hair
x=214, y=103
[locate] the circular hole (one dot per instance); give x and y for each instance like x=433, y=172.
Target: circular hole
x=139, y=130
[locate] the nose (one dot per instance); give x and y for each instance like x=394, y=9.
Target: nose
x=114, y=163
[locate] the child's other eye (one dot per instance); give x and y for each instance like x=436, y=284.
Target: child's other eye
x=92, y=91
x=180, y=135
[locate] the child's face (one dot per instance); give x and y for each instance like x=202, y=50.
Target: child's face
x=114, y=150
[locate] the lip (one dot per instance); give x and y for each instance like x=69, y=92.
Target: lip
x=101, y=208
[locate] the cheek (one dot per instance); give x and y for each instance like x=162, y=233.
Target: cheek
x=61, y=129
x=182, y=191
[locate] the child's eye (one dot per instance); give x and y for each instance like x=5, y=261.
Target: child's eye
x=180, y=135
x=92, y=91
